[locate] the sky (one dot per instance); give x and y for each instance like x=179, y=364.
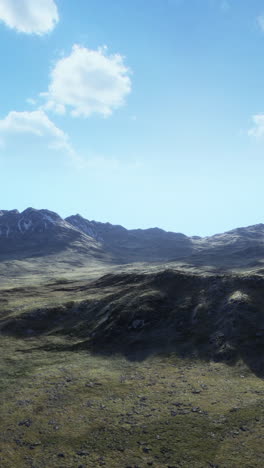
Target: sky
x=143, y=113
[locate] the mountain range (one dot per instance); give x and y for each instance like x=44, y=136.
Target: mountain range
x=133, y=290
x=43, y=233
x=156, y=335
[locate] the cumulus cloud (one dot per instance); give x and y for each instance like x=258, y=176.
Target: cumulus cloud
x=87, y=82
x=38, y=124
x=29, y=16
x=35, y=123
x=260, y=21
x=258, y=130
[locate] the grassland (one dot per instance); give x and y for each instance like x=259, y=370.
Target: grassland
x=66, y=404
x=72, y=409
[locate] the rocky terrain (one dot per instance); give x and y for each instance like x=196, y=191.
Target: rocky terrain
x=129, y=348
x=218, y=317
x=161, y=368
x=35, y=234
x=38, y=233
x=242, y=246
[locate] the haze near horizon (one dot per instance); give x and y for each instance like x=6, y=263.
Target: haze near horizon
x=137, y=113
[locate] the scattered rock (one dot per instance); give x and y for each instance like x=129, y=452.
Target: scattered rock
x=244, y=428
x=195, y=409
x=82, y=453
x=138, y=324
x=26, y=422
x=24, y=402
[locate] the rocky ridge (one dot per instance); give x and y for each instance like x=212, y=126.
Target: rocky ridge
x=38, y=232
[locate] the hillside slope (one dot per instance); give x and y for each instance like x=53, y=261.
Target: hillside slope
x=217, y=317
x=136, y=245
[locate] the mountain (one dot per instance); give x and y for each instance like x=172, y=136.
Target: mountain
x=75, y=241
x=136, y=245
x=39, y=233
x=241, y=247
x=238, y=247
x=165, y=354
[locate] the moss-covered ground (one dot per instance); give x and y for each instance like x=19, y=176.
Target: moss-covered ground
x=64, y=406
x=75, y=409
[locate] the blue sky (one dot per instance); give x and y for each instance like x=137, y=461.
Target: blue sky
x=142, y=113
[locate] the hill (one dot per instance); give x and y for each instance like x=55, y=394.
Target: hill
x=146, y=368
x=203, y=316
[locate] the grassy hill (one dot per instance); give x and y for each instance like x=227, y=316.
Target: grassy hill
x=139, y=367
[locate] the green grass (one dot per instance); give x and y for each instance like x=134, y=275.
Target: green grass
x=75, y=408
x=63, y=406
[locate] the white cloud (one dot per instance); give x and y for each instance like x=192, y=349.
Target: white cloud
x=258, y=130
x=88, y=81
x=35, y=123
x=38, y=124
x=260, y=21
x=29, y=16
x=225, y=6
x=106, y=163
x=31, y=102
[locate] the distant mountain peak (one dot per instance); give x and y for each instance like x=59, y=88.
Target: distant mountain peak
x=41, y=213
x=13, y=223
x=84, y=225
x=3, y=212
x=42, y=231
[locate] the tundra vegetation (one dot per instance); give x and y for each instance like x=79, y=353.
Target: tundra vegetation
x=142, y=367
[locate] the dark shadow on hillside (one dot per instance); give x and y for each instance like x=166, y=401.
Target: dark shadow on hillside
x=36, y=246
x=218, y=317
